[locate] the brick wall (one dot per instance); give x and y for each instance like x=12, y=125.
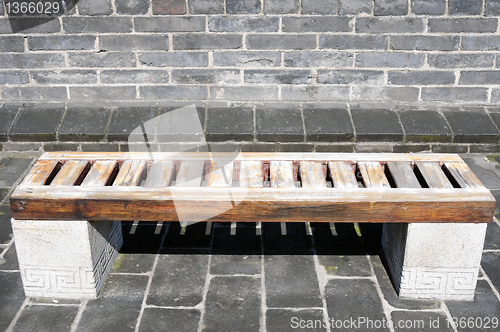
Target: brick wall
x=403, y=51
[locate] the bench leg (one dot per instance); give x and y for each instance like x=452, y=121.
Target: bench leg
x=434, y=260
x=66, y=259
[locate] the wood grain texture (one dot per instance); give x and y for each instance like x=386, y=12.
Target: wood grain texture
x=281, y=174
x=190, y=173
x=433, y=175
x=251, y=174
x=403, y=175
x=160, y=174
x=130, y=173
x=221, y=174
x=40, y=172
x=100, y=173
x=373, y=175
x=342, y=174
x=70, y=173
x=311, y=174
x=463, y=175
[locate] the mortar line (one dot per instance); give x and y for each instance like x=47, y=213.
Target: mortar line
x=18, y=314
x=449, y=316
x=488, y=280
x=386, y=307
x=263, y=294
x=208, y=278
x=78, y=317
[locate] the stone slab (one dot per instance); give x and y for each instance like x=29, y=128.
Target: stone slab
x=11, y=293
x=47, y=318
x=172, y=320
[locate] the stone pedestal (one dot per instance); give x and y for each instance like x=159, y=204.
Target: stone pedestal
x=66, y=259
x=433, y=260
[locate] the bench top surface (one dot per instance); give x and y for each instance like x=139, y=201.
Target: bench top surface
x=334, y=187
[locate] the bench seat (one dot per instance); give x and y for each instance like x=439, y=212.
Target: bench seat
x=433, y=207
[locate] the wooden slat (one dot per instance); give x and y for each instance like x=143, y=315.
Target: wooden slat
x=221, y=174
x=463, y=175
x=99, y=173
x=130, y=173
x=433, y=175
x=190, y=173
x=251, y=174
x=160, y=174
x=403, y=175
x=311, y=174
x=342, y=174
x=261, y=204
x=40, y=172
x=69, y=173
x=373, y=175
x=281, y=174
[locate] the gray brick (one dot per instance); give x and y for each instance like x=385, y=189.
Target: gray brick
x=34, y=124
x=34, y=93
x=373, y=148
x=40, y=60
x=14, y=77
x=279, y=76
x=381, y=93
x=279, y=125
x=134, y=42
x=206, y=76
x=123, y=121
x=479, y=78
x=421, y=77
x=243, y=24
x=225, y=124
x=389, y=24
x=84, y=124
x=481, y=43
x=463, y=25
x=465, y=7
x=454, y=94
x=319, y=59
x=492, y=8
x=14, y=146
x=428, y=7
x=100, y=147
x=133, y=7
x=295, y=147
x=74, y=24
x=411, y=148
x=281, y=42
x=425, y=126
x=169, y=7
x=100, y=93
x=158, y=319
x=449, y=148
x=206, y=6
x=53, y=43
x=316, y=24
x=12, y=44
x=472, y=127
x=461, y=60
x=369, y=77
x=173, y=92
x=335, y=148
x=174, y=59
x=281, y=6
x=247, y=59
x=8, y=115
x=95, y=7
x=378, y=125
x=170, y=24
x=354, y=7
x=319, y=7
x=393, y=59
x=256, y=93
x=243, y=6
x=102, y=59
x=484, y=148
x=315, y=93
x=356, y=42
x=495, y=96
x=134, y=76
x=207, y=41
x=29, y=25
x=425, y=43
x=64, y=76
x=328, y=125
x=56, y=146
x=390, y=7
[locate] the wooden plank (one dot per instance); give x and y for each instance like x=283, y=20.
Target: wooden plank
x=100, y=173
x=221, y=173
x=276, y=156
x=433, y=175
x=373, y=175
x=342, y=174
x=70, y=173
x=260, y=204
x=251, y=174
x=160, y=174
x=190, y=173
x=130, y=173
x=403, y=175
x=281, y=174
x=40, y=172
x=311, y=174
x=463, y=175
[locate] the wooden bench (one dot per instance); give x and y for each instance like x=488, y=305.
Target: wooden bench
x=67, y=210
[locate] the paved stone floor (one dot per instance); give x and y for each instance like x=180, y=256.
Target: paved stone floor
x=278, y=278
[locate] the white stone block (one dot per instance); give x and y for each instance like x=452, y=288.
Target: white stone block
x=66, y=259
x=434, y=260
